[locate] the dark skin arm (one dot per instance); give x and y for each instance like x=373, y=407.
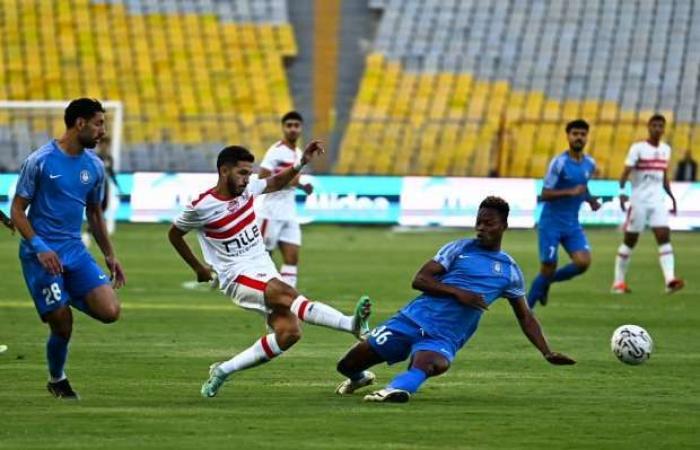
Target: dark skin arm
x=426, y=280
x=307, y=187
x=177, y=239
x=49, y=260
x=281, y=180
x=593, y=201
x=96, y=220
x=531, y=328
x=553, y=194
x=7, y=222
x=667, y=188
x=623, y=180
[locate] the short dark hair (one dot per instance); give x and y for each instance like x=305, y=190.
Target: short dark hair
x=232, y=154
x=292, y=115
x=657, y=117
x=578, y=124
x=85, y=108
x=497, y=203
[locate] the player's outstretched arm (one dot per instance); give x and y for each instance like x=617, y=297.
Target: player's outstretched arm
x=7, y=222
x=282, y=179
x=47, y=257
x=531, y=328
x=93, y=212
x=426, y=280
x=177, y=239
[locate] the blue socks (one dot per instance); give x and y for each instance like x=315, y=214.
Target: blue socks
x=538, y=290
x=56, y=355
x=409, y=381
x=566, y=273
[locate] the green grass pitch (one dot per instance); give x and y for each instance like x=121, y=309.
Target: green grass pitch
x=139, y=378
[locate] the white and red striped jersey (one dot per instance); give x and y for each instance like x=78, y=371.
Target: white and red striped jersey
x=279, y=205
x=227, y=230
x=649, y=163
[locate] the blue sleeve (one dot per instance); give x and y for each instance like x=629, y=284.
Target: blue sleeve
x=552, y=176
x=97, y=193
x=516, y=288
x=447, y=254
x=28, y=177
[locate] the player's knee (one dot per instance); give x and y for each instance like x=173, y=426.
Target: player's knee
x=547, y=270
x=279, y=294
x=111, y=313
x=583, y=264
x=437, y=367
x=288, y=336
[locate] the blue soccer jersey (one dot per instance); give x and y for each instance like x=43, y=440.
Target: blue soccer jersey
x=565, y=173
x=59, y=186
x=492, y=274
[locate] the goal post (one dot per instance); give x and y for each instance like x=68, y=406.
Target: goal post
x=25, y=125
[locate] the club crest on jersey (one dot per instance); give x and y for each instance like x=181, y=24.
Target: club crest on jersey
x=84, y=176
x=232, y=205
x=497, y=267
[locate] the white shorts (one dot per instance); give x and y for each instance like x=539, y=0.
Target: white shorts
x=641, y=216
x=275, y=231
x=248, y=289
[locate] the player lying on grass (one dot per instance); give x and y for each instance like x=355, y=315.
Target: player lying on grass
x=233, y=248
x=458, y=285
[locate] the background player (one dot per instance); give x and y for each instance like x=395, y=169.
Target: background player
x=277, y=210
x=61, y=181
x=231, y=243
x=458, y=285
x=565, y=188
x=647, y=162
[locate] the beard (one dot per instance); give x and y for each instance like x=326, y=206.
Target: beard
x=87, y=142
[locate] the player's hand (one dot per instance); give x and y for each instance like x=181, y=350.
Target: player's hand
x=559, y=359
x=578, y=190
x=308, y=188
x=472, y=300
x=116, y=273
x=8, y=223
x=50, y=261
x=595, y=204
x=674, y=208
x=204, y=275
x=314, y=148
x=623, y=200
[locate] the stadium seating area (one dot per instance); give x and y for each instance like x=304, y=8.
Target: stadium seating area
x=191, y=73
x=467, y=87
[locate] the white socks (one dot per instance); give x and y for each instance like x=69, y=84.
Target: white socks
x=666, y=259
x=622, y=262
x=667, y=262
x=289, y=274
x=261, y=352
x=319, y=313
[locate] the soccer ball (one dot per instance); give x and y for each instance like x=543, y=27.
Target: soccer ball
x=631, y=344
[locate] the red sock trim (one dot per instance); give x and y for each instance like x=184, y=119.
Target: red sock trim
x=266, y=348
x=302, y=309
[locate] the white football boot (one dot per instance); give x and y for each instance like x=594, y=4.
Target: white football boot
x=388, y=395
x=348, y=386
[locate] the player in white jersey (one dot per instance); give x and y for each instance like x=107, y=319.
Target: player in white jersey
x=277, y=210
x=647, y=162
x=232, y=245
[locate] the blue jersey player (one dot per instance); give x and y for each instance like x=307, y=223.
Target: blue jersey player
x=62, y=181
x=458, y=285
x=565, y=189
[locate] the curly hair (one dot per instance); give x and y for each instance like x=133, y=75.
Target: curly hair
x=497, y=203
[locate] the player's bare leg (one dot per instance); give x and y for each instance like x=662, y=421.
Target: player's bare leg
x=354, y=365
x=290, y=261
x=103, y=304
x=287, y=332
x=60, y=322
x=280, y=295
x=667, y=260
x=425, y=364
x=622, y=262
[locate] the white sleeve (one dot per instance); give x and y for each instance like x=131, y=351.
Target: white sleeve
x=447, y=254
x=632, y=156
x=189, y=219
x=268, y=161
x=256, y=186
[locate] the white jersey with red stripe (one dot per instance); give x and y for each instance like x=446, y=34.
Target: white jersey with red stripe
x=279, y=205
x=649, y=164
x=228, y=232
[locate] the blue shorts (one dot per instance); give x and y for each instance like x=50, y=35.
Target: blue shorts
x=81, y=274
x=573, y=240
x=399, y=337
